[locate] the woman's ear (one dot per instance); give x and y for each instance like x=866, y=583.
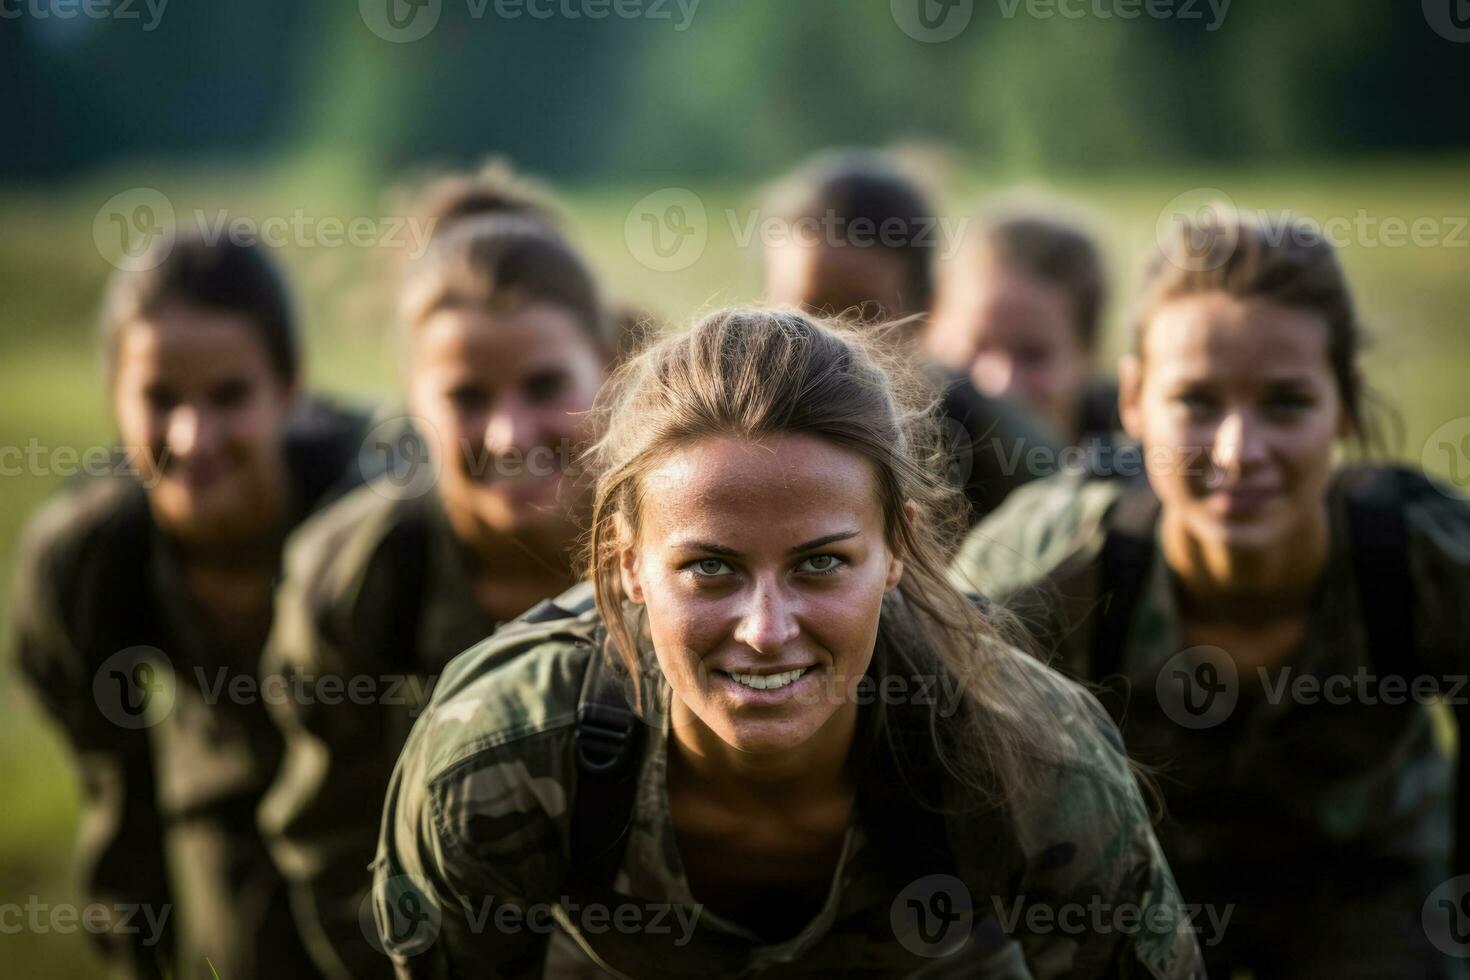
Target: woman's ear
x=895, y=562
x=1348, y=426
x=1130, y=387
x=629, y=562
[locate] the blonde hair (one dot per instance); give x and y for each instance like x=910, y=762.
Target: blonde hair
x=752, y=373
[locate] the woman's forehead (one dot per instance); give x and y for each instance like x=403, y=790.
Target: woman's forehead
x=1226, y=333
x=731, y=485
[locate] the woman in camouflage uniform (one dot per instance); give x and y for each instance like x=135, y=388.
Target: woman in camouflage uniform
x=778, y=743
x=1272, y=622
x=474, y=523
x=142, y=603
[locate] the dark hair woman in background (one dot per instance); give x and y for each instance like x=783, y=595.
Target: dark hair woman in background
x=507, y=343
x=1245, y=593
x=860, y=240
x=142, y=602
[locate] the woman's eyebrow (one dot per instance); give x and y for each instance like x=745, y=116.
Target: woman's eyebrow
x=825, y=539
x=718, y=549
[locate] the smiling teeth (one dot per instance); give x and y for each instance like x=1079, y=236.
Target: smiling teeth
x=767, y=682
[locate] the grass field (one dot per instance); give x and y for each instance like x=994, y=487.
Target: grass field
x=1415, y=296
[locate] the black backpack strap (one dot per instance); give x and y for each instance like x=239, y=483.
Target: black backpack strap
x=609, y=743
x=1128, y=549
x=406, y=549
x=1378, y=536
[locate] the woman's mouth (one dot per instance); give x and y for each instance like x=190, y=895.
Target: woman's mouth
x=767, y=682
x=748, y=687
x=1240, y=500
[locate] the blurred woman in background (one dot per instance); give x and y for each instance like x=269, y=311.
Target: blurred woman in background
x=684, y=768
x=507, y=344
x=1019, y=314
x=859, y=240
x=1268, y=608
x=142, y=603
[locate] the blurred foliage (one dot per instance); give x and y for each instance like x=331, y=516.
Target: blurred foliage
x=743, y=89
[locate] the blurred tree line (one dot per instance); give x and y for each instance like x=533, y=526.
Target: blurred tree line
x=748, y=87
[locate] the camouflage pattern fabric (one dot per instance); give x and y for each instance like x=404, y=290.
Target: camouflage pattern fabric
x=473, y=875
x=1315, y=791
x=357, y=682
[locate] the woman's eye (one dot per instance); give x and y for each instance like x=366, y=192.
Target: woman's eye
x=468, y=400
x=821, y=564
x=1288, y=404
x=710, y=567
x=1195, y=403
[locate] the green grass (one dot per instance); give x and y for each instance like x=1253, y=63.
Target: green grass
x=1414, y=298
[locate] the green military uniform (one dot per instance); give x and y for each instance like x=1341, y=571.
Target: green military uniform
x=158, y=701
x=1321, y=813
x=474, y=874
x=376, y=600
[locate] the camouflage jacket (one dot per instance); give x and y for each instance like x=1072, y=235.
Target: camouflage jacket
x=473, y=875
x=1319, y=767
x=159, y=702
x=376, y=600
